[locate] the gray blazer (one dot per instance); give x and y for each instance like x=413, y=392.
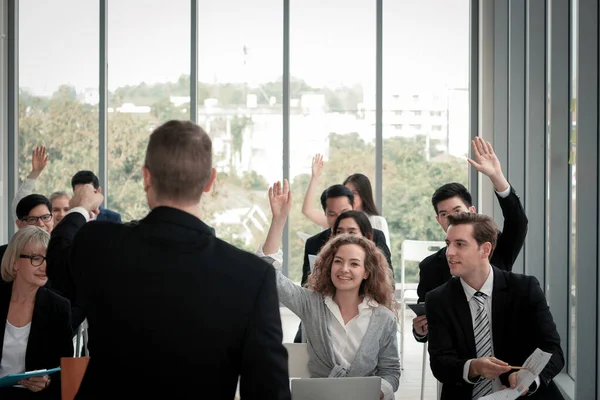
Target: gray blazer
x=378, y=351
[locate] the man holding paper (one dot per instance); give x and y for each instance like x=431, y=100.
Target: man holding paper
x=484, y=322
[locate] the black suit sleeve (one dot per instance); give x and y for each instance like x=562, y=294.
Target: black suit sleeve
x=546, y=336
x=264, y=373
x=379, y=239
x=445, y=363
x=308, y=246
x=514, y=230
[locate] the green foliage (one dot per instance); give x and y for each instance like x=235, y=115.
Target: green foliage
x=70, y=131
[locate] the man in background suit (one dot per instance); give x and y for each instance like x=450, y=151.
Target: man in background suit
x=454, y=198
x=88, y=177
x=171, y=308
x=485, y=320
x=335, y=200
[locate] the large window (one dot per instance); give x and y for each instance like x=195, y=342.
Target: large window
x=425, y=114
x=58, y=70
x=572, y=287
x=239, y=104
x=148, y=83
x=332, y=47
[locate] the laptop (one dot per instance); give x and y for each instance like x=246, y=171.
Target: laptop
x=353, y=388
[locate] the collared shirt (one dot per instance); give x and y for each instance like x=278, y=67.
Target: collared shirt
x=347, y=337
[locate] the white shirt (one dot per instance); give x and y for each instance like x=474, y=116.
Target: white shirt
x=14, y=349
x=346, y=338
x=378, y=222
x=487, y=289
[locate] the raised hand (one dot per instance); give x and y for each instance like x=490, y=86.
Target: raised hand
x=39, y=160
x=280, y=199
x=317, y=165
x=487, y=163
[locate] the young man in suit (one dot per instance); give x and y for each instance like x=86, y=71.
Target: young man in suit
x=485, y=320
x=453, y=198
x=88, y=177
x=171, y=308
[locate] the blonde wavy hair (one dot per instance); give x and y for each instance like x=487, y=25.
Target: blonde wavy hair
x=379, y=283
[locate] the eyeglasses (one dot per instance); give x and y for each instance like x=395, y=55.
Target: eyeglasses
x=34, y=220
x=36, y=260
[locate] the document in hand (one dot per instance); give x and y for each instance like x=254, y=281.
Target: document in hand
x=525, y=377
x=13, y=379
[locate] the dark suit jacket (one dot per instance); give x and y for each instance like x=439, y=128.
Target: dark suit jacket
x=173, y=309
x=521, y=322
x=108, y=215
x=50, y=337
x=434, y=270
x=314, y=244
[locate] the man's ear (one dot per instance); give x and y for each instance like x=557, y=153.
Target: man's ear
x=487, y=249
x=147, y=178
x=472, y=209
x=99, y=190
x=19, y=223
x=211, y=181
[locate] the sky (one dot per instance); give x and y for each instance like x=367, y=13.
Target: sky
x=332, y=42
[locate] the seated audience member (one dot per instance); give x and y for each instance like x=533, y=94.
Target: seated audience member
x=360, y=186
x=33, y=210
x=335, y=200
x=353, y=223
x=485, y=320
x=88, y=177
x=58, y=200
x=35, y=323
x=60, y=205
x=348, y=310
x=453, y=198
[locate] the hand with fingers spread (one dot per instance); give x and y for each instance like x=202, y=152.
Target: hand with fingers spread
x=36, y=383
x=39, y=160
x=280, y=199
x=487, y=163
x=317, y=165
x=488, y=367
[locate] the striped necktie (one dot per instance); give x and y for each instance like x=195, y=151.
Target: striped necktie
x=483, y=342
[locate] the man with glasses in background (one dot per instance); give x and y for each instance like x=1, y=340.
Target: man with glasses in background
x=35, y=210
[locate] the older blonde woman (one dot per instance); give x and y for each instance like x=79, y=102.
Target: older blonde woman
x=35, y=323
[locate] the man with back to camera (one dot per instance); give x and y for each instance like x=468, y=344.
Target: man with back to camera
x=171, y=308
x=453, y=198
x=484, y=320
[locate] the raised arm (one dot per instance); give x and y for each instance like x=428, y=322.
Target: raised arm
x=291, y=295
x=39, y=159
x=514, y=231
x=315, y=215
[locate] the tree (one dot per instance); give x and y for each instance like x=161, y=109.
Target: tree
x=238, y=126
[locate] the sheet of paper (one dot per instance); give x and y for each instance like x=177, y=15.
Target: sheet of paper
x=535, y=363
x=311, y=261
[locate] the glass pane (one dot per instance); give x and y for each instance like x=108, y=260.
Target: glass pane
x=332, y=96
x=425, y=115
x=148, y=83
x=572, y=344
x=239, y=100
x=58, y=70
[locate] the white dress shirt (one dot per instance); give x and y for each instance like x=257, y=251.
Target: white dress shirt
x=346, y=337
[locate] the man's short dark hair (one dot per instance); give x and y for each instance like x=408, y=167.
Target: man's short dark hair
x=30, y=202
x=448, y=191
x=484, y=228
x=336, y=191
x=179, y=158
x=85, y=177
